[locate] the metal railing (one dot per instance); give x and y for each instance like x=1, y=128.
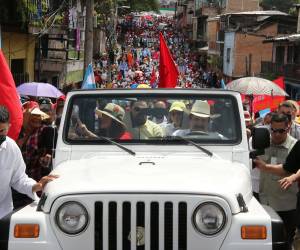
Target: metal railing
x=288, y=70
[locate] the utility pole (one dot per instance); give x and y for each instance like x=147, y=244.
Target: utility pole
x=89, y=30
x=111, y=39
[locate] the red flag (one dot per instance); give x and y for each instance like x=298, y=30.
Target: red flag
x=10, y=98
x=261, y=102
x=168, y=72
x=280, y=82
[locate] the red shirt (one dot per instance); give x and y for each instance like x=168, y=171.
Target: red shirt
x=126, y=136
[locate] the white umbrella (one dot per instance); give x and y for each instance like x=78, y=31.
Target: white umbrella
x=256, y=86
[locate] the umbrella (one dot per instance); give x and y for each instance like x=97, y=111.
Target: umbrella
x=134, y=85
x=256, y=86
x=39, y=89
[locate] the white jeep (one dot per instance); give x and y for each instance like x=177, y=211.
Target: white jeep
x=149, y=169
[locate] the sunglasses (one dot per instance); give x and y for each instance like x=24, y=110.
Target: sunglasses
x=279, y=130
x=138, y=109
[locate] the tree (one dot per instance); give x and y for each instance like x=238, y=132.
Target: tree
x=285, y=6
x=89, y=29
x=146, y=5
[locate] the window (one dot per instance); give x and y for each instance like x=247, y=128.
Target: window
x=280, y=54
x=297, y=54
x=155, y=119
x=228, y=52
x=290, y=54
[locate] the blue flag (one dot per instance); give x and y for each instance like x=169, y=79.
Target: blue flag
x=223, y=85
x=89, y=78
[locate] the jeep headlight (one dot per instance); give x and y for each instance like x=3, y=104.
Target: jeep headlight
x=72, y=217
x=209, y=218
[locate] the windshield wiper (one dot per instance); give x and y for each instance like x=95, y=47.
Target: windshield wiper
x=117, y=144
x=209, y=153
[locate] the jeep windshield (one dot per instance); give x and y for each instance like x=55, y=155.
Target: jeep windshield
x=205, y=119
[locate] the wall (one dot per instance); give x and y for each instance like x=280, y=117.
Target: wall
x=242, y=5
x=20, y=46
x=250, y=51
x=213, y=27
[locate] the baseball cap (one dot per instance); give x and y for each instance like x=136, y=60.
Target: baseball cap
x=201, y=109
x=177, y=106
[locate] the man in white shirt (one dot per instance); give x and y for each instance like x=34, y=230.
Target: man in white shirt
x=12, y=168
x=199, y=122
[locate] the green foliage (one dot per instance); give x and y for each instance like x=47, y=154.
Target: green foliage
x=145, y=5
x=19, y=11
x=285, y=6
x=104, y=6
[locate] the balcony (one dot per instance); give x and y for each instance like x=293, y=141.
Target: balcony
x=291, y=71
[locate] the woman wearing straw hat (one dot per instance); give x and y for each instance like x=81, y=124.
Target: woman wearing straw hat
x=110, y=123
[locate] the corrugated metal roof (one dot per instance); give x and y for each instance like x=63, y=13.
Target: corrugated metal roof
x=215, y=18
x=259, y=13
x=287, y=38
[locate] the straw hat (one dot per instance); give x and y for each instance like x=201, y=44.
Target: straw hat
x=201, y=109
x=113, y=111
x=38, y=112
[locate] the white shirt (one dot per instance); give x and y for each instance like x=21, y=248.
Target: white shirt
x=185, y=132
x=270, y=192
x=169, y=129
x=12, y=174
x=295, y=130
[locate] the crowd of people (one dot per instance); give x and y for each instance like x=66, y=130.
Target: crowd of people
x=276, y=173
x=135, y=62
x=135, y=59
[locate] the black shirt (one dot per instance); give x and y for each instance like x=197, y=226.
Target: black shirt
x=292, y=162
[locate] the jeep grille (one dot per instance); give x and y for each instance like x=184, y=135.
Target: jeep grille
x=140, y=225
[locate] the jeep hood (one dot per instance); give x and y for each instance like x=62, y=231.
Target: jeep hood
x=170, y=174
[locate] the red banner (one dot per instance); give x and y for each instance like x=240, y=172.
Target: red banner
x=168, y=72
x=10, y=98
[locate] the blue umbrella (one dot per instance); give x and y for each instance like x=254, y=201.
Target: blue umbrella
x=39, y=89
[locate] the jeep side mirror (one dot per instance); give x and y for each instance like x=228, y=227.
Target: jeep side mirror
x=260, y=141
